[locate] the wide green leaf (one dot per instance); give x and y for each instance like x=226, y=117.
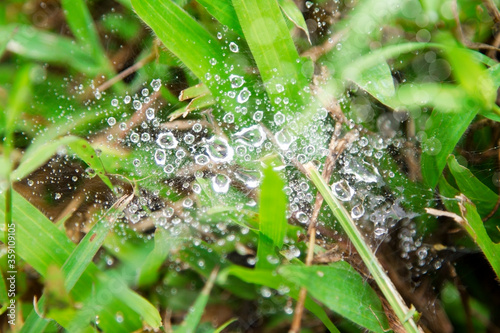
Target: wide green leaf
x=269, y=278
x=481, y=195
x=343, y=290
x=444, y=130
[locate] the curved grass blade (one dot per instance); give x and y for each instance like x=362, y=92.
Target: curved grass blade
x=384, y=283
x=45, y=46
x=270, y=279
x=86, y=152
x=273, y=50
x=294, y=14
x=444, y=130
x=481, y=195
x=339, y=287
x=34, y=158
x=223, y=12
x=376, y=80
x=83, y=254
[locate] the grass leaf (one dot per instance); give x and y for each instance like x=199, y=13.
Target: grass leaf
x=377, y=81
x=343, y=290
x=223, y=12
x=294, y=14
x=444, y=130
x=481, y=195
x=273, y=50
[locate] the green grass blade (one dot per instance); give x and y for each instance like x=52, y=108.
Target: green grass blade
x=481, y=195
x=83, y=254
x=444, y=130
x=45, y=46
x=86, y=152
x=41, y=244
x=34, y=323
x=194, y=314
x=268, y=278
x=474, y=226
x=223, y=12
x=273, y=224
x=342, y=289
x=377, y=81
x=82, y=26
x=226, y=324
x=384, y=283
x=176, y=29
x=34, y=158
x=294, y=14
x=273, y=50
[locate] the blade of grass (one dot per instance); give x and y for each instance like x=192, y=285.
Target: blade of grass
x=294, y=14
x=83, y=254
x=273, y=50
x=34, y=158
x=194, y=315
x=270, y=279
x=273, y=224
x=474, y=226
x=339, y=287
x=86, y=152
x=51, y=246
x=481, y=195
x=384, y=283
x=223, y=12
x=48, y=47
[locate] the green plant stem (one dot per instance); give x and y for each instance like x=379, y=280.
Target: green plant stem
x=369, y=258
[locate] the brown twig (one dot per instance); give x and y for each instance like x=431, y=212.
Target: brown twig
x=123, y=74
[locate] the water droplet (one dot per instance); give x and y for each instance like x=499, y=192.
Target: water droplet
x=145, y=92
x=265, y=292
x=236, y=80
x=167, y=140
x=258, y=115
x=252, y=136
x=90, y=172
x=197, y=127
x=219, y=150
x=213, y=61
x=357, y=211
x=251, y=178
x=201, y=159
x=228, y=118
x=196, y=188
x=302, y=217
x=363, y=171
x=280, y=88
x=284, y=139
x=220, y=183
x=243, y=96
x=114, y=102
x=188, y=202
x=233, y=47
x=127, y=99
x=134, y=137
x=150, y=113
x=137, y=104
x=145, y=137
x=380, y=231
x=156, y=84
x=160, y=156
x=342, y=190
x=119, y=317
x=111, y=121
x=279, y=118
x=169, y=168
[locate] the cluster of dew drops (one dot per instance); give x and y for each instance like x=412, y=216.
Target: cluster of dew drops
x=224, y=160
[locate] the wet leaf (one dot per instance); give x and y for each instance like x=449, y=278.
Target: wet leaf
x=194, y=92
x=294, y=14
x=481, y=195
x=341, y=289
x=444, y=130
x=262, y=22
x=270, y=279
x=377, y=81
x=223, y=12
